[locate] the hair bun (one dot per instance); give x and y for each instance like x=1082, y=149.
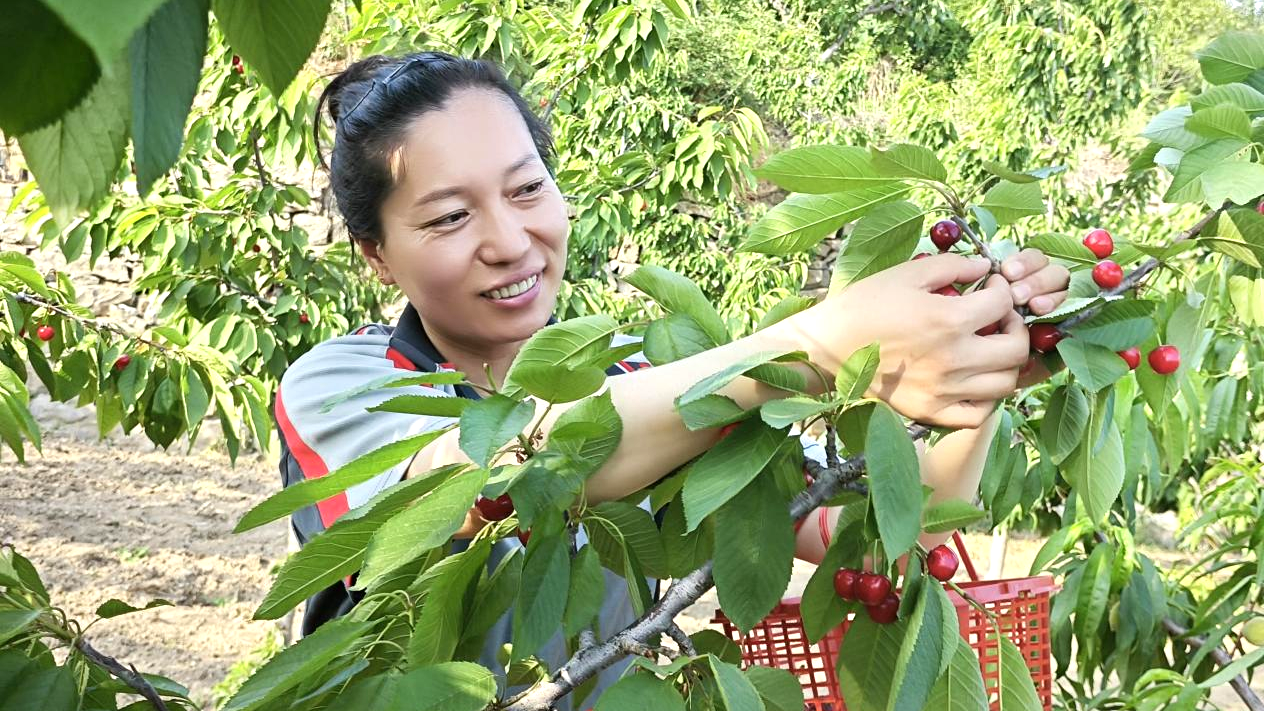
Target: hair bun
x=349, y=86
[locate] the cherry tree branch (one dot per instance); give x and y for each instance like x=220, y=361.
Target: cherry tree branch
x=131, y=676
x=1222, y=658
x=94, y=324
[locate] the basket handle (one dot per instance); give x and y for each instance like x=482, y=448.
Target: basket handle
x=965, y=556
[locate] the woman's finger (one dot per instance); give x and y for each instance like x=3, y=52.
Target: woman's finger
x=1048, y=280
x=1046, y=303
x=1025, y=263
x=963, y=415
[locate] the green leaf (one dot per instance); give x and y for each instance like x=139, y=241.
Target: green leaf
x=679, y=295
x=1120, y=324
x=337, y=551
x=950, y=515
x=1010, y=202
x=295, y=664
x=854, y=378
x=115, y=607
x=866, y=663
x=1239, y=182
x=685, y=551
x=927, y=646
x=491, y=601
x=436, y=405
x=74, y=159
x=1243, y=96
x=754, y=556
x=1234, y=668
x=1064, y=421
x=960, y=688
x=1247, y=297
x=1097, y=473
x=487, y=424
x=575, y=342
x=35, y=91
x=905, y=160
x=727, y=468
x=639, y=531
x=780, y=414
x=546, y=575
x=640, y=691
x=1168, y=129
x=674, y=338
x=780, y=690
x=427, y=523
x=821, y=169
x=452, y=686
x=784, y=309
x=712, y=411
x=1093, y=366
x=736, y=691
x=14, y=622
x=166, y=62
x=1187, y=183
x=1014, y=176
x=587, y=591
x=885, y=237
x=274, y=38
x=394, y=380
x=588, y=433
x=555, y=383
x=894, y=480
x=1239, y=234
x=437, y=632
x=801, y=221
x=1018, y=693
x=1232, y=57
x=1220, y=122
x=360, y=469
x=717, y=381
x=27, y=684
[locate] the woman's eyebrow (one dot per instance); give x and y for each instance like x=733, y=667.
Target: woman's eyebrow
x=443, y=193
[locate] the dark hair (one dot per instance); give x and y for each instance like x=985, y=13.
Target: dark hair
x=371, y=104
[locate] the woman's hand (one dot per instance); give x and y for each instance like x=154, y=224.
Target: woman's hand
x=1041, y=287
x=933, y=367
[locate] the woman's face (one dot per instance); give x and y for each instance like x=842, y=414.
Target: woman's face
x=475, y=231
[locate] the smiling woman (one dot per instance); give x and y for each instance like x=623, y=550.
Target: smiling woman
x=444, y=177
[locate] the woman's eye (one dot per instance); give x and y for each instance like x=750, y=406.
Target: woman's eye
x=444, y=220
x=538, y=185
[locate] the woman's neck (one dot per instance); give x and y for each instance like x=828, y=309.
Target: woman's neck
x=474, y=362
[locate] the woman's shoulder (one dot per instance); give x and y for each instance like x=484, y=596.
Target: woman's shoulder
x=367, y=348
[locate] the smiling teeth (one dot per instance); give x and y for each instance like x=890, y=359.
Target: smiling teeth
x=514, y=289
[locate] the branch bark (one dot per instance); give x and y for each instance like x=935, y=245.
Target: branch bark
x=1222, y=658
x=131, y=677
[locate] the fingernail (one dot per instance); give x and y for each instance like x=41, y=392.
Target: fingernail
x=1013, y=270
x=1021, y=292
x=1040, y=304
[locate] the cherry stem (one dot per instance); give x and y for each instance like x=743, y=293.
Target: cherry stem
x=979, y=245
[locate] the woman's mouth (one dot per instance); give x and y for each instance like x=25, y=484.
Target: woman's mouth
x=508, y=292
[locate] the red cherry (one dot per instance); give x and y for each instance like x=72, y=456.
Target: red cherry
x=871, y=588
x=989, y=329
x=945, y=234
x=949, y=290
x=1131, y=356
x=941, y=563
x=885, y=612
x=725, y=430
x=524, y=536
x=303, y=318
x=1099, y=243
x=256, y=249
x=1260, y=207
x=543, y=103
x=22, y=333
x=497, y=509
x=45, y=332
x=845, y=583
x=122, y=362
x=1044, y=337
x=1165, y=359
x=1107, y=274
x=920, y=255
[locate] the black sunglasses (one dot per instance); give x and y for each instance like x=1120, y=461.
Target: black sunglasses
x=419, y=58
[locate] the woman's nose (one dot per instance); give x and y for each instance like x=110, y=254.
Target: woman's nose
x=506, y=239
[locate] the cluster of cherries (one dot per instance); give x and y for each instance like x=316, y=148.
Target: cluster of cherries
x=874, y=590
x=1164, y=359
x=499, y=509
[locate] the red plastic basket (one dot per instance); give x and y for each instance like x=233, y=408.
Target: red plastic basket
x=1020, y=604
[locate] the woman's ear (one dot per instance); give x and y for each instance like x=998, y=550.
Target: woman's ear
x=372, y=251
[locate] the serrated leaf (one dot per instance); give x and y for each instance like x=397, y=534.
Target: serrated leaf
x=559, y=383
x=885, y=237
x=436, y=405
x=1167, y=129
x=115, y=607
x=1119, y=325
x=894, y=480
x=1247, y=297
x=1017, y=691
x=638, y=692
x=587, y=591
x=452, y=686
x=274, y=38
x=487, y=424
x=782, y=413
x=1096, y=472
x=736, y=691
x=1010, y=202
x=960, y=688
x=450, y=582
x=780, y=690
x=678, y=294
x=14, y=622
x=906, y=160
x=1093, y=366
x=1065, y=419
x=674, y=338
x=754, y=556
x=821, y=169
x=923, y=650
x=1220, y=122
x=578, y=341
x=728, y=374
x=866, y=663
x=801, y=221
x=542, y=597
x=293, y=665
x=1003, y=172
x=784, y=309
x=950, y=515
x=394, y=380
x=1232, y=57
x=34, y=92
x=1243, y=96
x=727, y=468
x=1187, y=183
x=856, y=374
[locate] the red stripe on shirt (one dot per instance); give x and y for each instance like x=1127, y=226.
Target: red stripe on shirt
x=399, y=359
x=311, y=465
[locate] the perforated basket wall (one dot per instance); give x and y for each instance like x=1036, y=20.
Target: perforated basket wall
x=1020, y=604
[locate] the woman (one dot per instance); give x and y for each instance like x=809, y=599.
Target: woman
x=444, y=177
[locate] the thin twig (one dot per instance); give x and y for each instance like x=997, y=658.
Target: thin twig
x=26, y=298
x=979, y=245
x=1222, y=658
x=681, y=639
x=131, y=676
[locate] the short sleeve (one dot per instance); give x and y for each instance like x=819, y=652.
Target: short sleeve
x=320, y=440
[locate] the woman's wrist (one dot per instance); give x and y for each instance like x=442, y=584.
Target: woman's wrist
x=828, y=332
